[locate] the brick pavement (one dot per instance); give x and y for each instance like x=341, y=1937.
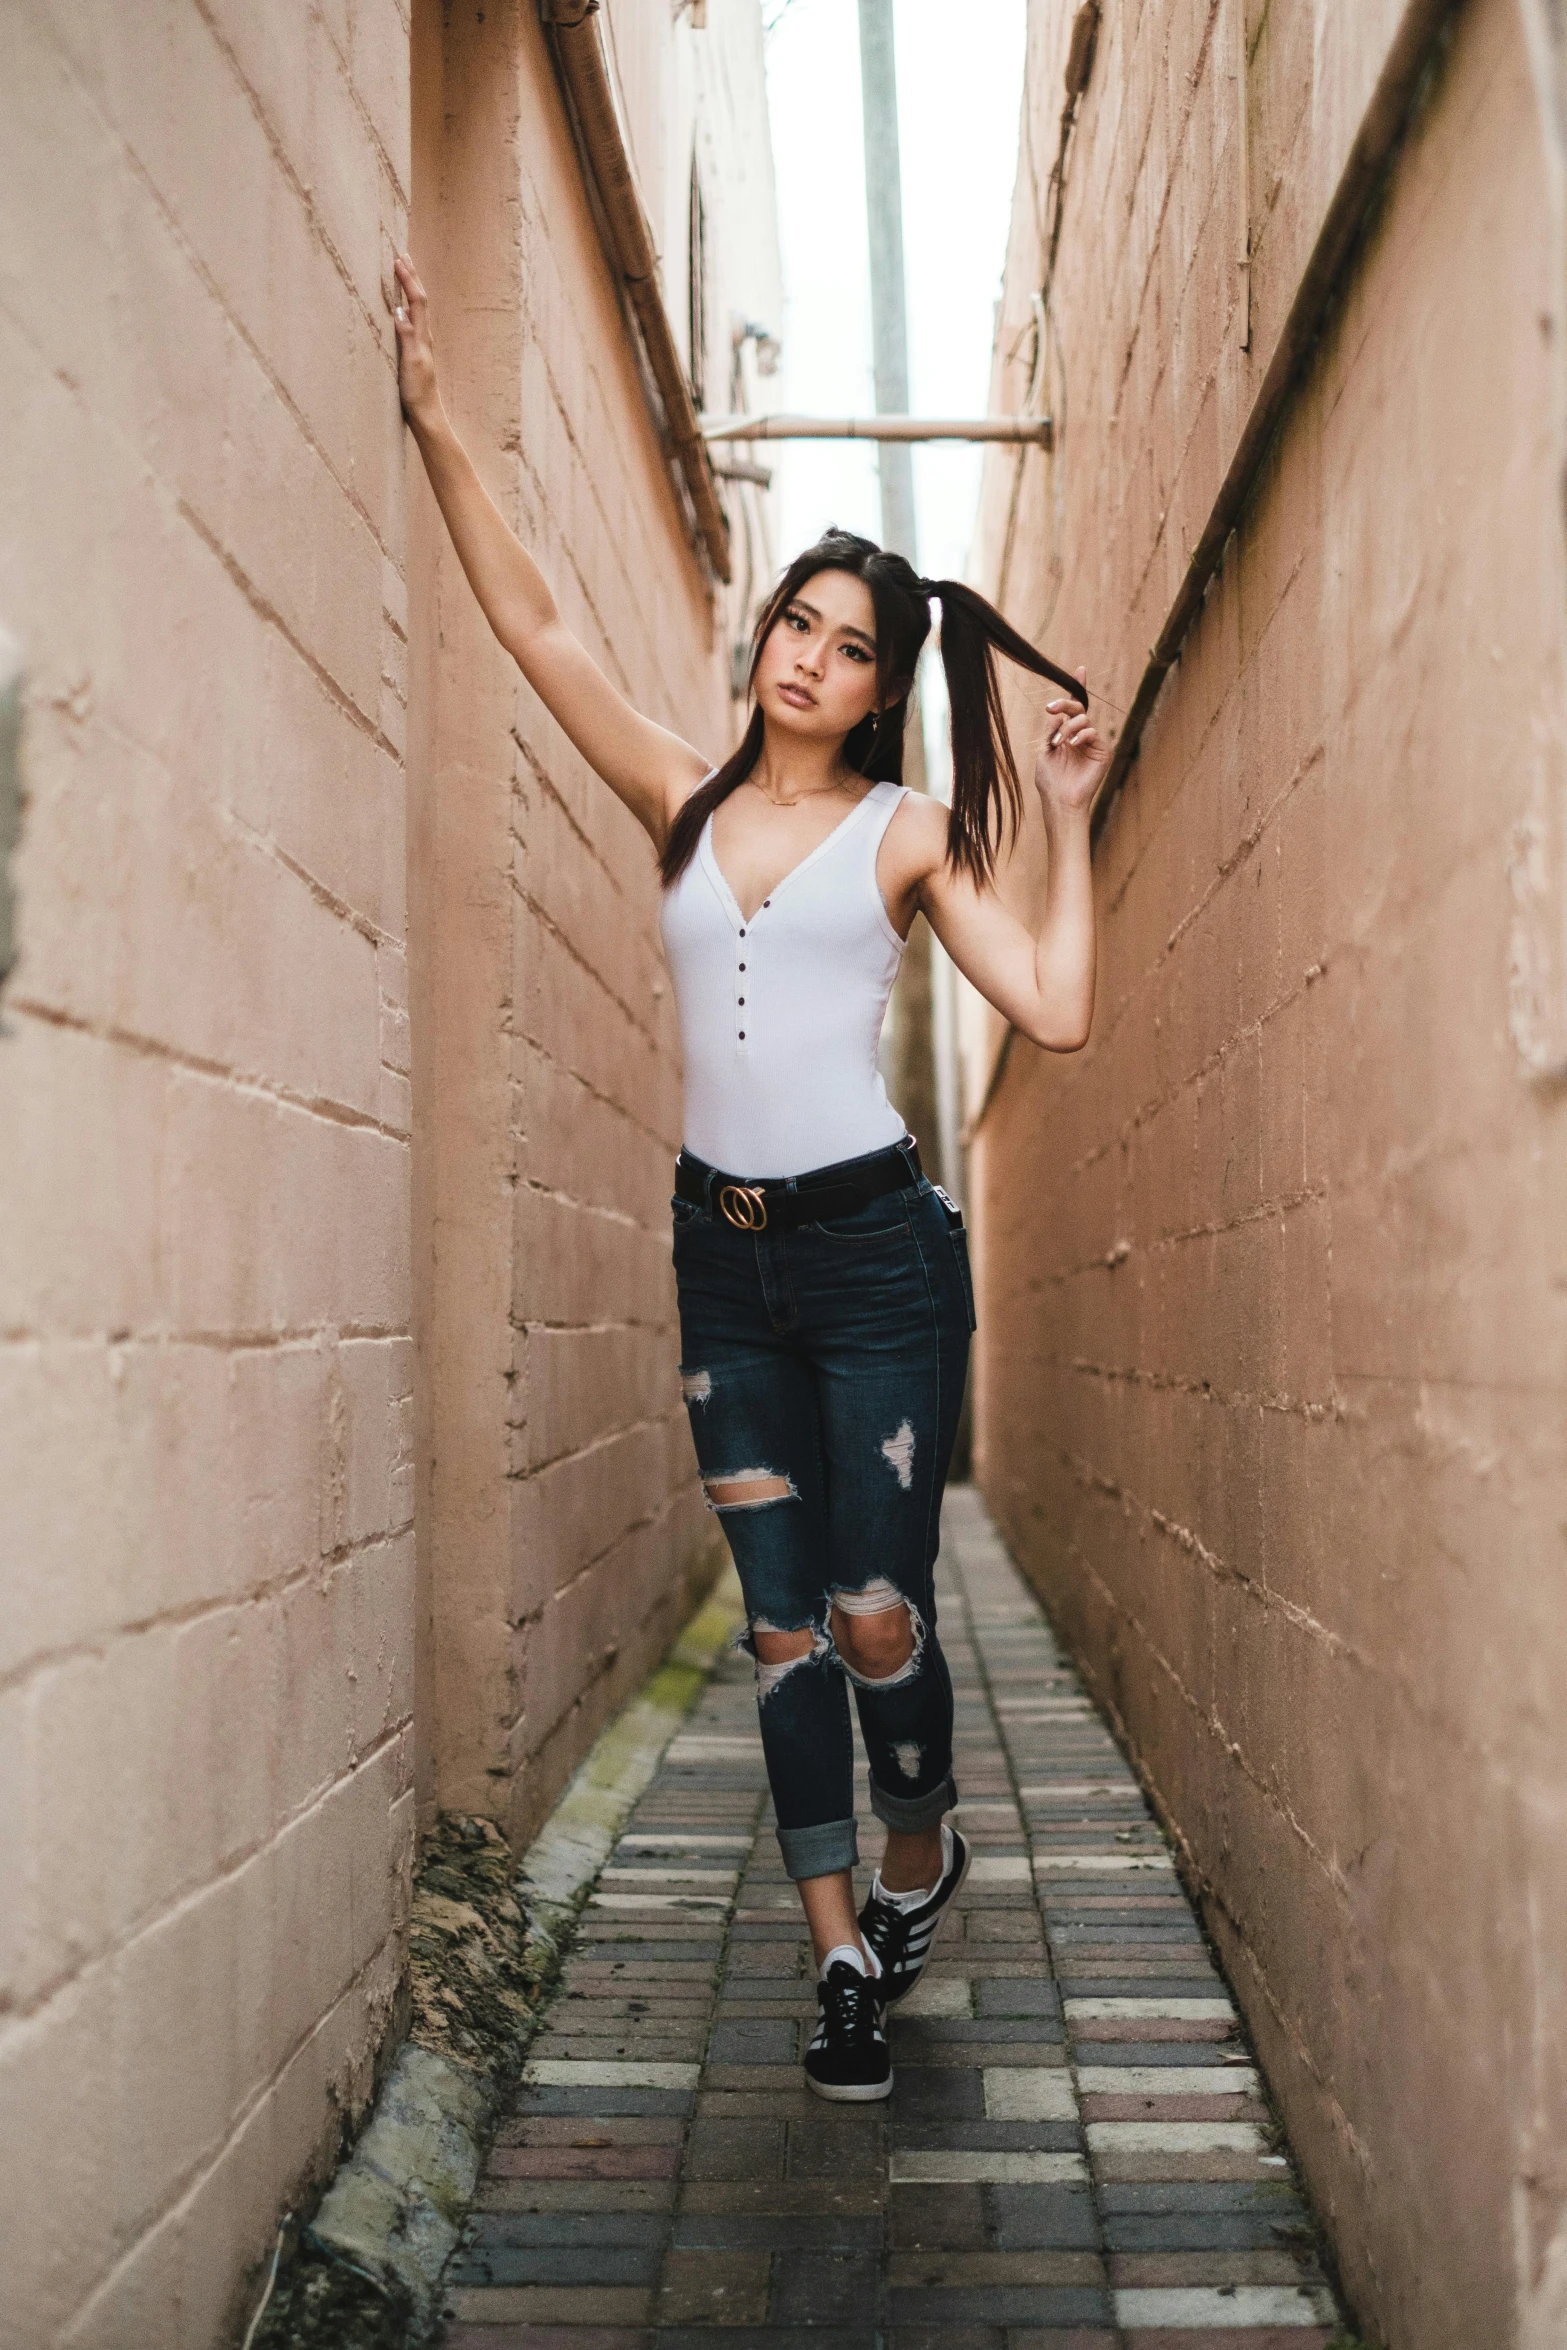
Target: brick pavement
x=1075, y=2155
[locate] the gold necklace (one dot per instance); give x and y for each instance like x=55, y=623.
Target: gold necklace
x=825, y=792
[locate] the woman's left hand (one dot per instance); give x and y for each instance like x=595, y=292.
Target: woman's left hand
x=1071, y=766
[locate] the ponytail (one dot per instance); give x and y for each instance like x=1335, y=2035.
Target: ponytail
x=987, y=799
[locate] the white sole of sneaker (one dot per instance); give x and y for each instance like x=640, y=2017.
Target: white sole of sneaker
x=851, y=2093
x=893, y=1997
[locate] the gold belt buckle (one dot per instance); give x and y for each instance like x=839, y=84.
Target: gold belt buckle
x=743, y=1206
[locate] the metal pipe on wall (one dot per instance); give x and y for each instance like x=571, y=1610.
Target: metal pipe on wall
x=1038, y=429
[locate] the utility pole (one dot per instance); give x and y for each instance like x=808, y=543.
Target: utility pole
x=911, y=1076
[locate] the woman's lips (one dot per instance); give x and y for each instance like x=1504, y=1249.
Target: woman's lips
x=797, y=697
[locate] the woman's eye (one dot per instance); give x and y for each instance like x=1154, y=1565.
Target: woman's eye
x=856, y=652
x=796, y=620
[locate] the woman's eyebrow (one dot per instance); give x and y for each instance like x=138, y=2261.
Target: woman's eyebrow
x=799, y=603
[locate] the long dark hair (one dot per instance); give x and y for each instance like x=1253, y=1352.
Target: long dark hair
x=987, y=801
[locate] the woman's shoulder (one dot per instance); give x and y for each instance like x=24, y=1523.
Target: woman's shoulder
x=919, y=825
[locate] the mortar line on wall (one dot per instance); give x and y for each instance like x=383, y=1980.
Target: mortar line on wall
x=547, y=922
x=266, y=610
x=584, y=839
x=19, y=2015
x=258, y=108
x=1220, y=1570
x=234, y=1081
x=194, y=2179
x=594, y=1093
x=1210, y=1724
x=1333, y=253
x=98, y=1645
x=324, y=895
x=526, y=1323
x=1204, y=1072
x=1193, y=79
x=646, y=1423
x=199, y=268
x=607, y=649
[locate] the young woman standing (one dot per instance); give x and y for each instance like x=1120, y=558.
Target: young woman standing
x=825, y=1300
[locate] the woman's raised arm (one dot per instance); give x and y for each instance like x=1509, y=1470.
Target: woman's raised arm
x=649, y=768
x=1043, y=983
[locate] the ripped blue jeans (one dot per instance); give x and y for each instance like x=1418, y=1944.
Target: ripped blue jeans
x=825, y=1367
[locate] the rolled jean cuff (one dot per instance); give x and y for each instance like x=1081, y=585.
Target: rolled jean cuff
x=910, y=1813
x=820, y=1850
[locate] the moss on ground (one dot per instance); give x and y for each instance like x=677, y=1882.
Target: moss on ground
x=475, y=1998
x=320, y=2305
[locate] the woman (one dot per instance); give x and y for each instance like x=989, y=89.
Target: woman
x=825, y=1303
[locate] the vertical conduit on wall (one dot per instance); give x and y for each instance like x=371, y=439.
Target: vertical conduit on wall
x=584, y=75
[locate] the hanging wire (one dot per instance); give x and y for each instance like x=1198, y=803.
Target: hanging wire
x=264, y=2303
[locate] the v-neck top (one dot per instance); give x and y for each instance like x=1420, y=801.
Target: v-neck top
x=781, y=1016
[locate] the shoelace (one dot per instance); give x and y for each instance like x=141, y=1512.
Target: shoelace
x=887, y=1932
x=848, y=2004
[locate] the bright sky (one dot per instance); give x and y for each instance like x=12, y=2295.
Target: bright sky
x=960, y=75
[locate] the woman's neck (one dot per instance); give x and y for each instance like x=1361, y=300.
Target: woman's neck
x=791, y=771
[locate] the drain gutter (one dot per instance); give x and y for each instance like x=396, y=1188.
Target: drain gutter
x=584, y=75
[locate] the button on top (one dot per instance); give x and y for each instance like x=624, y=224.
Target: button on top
x=742, y=966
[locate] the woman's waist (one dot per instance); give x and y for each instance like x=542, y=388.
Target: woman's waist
x=754, y=1203
x=789, y=1135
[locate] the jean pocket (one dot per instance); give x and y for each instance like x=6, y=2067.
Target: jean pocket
x=684, y=1213
x=879, y=1220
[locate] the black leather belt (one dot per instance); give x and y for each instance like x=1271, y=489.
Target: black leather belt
x=782, y=1205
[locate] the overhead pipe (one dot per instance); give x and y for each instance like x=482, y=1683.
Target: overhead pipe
x=1040, y=429
x=579, y=56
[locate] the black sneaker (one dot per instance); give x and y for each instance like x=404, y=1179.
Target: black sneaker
x=901, y=1938
x=848, y=2059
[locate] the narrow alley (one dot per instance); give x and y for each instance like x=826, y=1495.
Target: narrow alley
x=1076, y=2154
x=417, y=634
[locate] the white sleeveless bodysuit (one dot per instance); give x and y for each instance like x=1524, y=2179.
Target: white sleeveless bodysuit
x=781, y=1016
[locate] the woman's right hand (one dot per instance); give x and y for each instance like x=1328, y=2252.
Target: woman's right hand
x=416, y=382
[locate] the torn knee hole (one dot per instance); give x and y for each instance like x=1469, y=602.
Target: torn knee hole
x=747, y=1489
x=778, y=1654
x=878, y=1633
x=781, y=1648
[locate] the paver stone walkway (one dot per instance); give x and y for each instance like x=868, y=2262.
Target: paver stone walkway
x=1075, y=2155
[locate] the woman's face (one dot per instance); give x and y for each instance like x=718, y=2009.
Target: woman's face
x=817, y=673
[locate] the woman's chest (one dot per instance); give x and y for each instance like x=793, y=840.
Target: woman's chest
x=758, y=847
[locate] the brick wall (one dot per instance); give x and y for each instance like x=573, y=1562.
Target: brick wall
x=566, y=1534
x=244, y=1164
x=1273, y=1293
x=205, y=1365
